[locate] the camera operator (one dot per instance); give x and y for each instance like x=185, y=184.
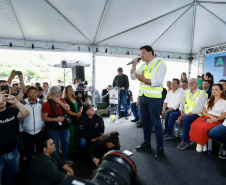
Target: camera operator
x=81, y=92
x=9, y=129
x=52, y=114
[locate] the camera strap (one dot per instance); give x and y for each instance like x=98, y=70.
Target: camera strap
x=53, y=107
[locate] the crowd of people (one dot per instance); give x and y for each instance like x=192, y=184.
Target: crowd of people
x=44, y=125
x=201, y=109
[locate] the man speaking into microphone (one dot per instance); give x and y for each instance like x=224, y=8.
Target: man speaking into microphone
x=151, y=75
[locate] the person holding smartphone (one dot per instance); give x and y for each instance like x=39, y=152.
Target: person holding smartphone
x=9, y=129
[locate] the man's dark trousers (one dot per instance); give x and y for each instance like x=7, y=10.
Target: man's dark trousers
x=149, y=111
x=122, y=100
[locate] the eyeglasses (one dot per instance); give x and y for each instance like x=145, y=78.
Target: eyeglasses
x=191, y=83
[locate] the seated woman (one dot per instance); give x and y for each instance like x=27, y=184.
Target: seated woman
x=75, y=113
x=214, y=112
x=102, y=145
x=44, y=168
x=218, y=133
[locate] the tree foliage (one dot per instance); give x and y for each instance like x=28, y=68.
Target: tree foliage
x=34, y=65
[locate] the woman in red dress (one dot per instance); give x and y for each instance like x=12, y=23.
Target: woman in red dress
x=213, y=113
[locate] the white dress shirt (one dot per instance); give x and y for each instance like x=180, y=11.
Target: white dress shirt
x=157, y=82
x=173, y=98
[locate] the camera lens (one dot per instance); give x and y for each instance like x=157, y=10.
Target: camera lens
x=115, y=168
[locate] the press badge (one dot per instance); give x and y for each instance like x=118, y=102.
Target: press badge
x=60, y=123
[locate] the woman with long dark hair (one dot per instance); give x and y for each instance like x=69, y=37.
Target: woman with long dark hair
x=183, y=77
x=75, y=113
x=214, y=112
x=104, y=143
x=209, y=76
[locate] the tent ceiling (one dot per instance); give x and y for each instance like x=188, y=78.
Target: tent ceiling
x=172, y=26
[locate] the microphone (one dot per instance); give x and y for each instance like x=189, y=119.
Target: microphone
x=133, y=61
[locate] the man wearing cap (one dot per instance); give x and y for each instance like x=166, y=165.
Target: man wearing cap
x=151, y=75
x=121, y=81
x=90, y=128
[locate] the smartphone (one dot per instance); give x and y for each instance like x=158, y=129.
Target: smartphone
x=5, y=88
x=18, y=72
x=127, y=152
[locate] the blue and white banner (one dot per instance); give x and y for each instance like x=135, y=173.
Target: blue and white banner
x=216, y=65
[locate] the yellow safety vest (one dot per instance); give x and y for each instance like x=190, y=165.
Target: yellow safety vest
x=190, y=103
x=150, y=72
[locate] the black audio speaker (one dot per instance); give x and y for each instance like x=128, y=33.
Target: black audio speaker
x=80, y=72
x=64, y=64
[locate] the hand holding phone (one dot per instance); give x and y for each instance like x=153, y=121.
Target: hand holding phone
x=3, y=97
x=18, y=73
x=5, y=88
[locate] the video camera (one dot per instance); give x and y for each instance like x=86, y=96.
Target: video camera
x=115, y=168
x=80, y=86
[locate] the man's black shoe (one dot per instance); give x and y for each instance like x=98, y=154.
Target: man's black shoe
x=164, y=132
x=139, y=125
x=134, y=120
x=143, y=146
x=160, y=153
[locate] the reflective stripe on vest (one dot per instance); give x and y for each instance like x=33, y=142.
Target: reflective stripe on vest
x=191, y=102
x=150, y=72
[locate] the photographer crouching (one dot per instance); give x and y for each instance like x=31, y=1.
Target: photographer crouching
x=53, y=114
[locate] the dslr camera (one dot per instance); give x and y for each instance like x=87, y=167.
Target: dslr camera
x=116, y=168
x=80, y=86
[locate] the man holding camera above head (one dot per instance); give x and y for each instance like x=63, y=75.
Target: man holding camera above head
x=9, y=130
x=121, y=81
x=19, y=90
x=151, y=75
x=53, y=114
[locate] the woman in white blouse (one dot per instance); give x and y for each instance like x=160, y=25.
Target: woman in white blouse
x=214, y=112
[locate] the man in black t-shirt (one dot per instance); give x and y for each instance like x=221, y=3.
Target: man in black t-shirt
x=90, y=128
x=121, y=81
x=9, y=129
x=105, y=94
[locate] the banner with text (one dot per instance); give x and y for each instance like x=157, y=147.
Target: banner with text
x=216, y=65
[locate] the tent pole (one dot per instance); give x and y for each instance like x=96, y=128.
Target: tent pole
x=93, y=75
x=189, y=67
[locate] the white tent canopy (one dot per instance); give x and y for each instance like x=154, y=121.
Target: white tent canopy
x=172, y=27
